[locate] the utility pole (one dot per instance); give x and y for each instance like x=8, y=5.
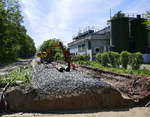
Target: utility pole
x=110, y=30
x=110, y=13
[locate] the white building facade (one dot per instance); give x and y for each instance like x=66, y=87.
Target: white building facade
x=90, y=42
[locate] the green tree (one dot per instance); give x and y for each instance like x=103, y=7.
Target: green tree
x=13, y=38
x=27, y=48
x=9, y=46
x=119, y=14
x=48, y=43
x=147, y=21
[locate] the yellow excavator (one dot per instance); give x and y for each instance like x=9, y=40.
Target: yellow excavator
x=47, y=55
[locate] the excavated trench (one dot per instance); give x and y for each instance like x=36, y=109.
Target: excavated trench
x=52, y=90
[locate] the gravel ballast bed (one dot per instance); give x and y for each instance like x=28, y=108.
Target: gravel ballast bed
x=50, y=81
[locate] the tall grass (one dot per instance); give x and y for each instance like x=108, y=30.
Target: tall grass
x=96, y=64
x=17, y=77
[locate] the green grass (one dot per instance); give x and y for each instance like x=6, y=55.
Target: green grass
x=95, y=64
x=19, y=77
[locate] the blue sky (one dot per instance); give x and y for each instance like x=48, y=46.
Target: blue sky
x=62, y=19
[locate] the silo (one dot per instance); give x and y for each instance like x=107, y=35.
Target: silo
x=140, y=34
x=120, y=34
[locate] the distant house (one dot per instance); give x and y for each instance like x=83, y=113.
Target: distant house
x=90, y=42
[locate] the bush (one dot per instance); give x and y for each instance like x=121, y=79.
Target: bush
x=113, y=58
x=98, y=57
x=104, y=59
x=136, y=59
x=81, y=58
x=87, y=63
x=124, y=59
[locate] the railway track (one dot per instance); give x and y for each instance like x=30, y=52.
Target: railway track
x=130, y=86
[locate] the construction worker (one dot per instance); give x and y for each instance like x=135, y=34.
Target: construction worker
x=67, y=57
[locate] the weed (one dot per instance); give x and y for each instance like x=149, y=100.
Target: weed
x=19, y=77
x=96, y=64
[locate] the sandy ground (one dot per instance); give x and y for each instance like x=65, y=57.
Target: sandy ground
x=132, y=112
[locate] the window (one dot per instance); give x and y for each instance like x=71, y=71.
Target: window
x=79, y=48
x=83, y=47
x=89, y=45
x=97, y=50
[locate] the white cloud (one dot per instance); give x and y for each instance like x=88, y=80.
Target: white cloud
x=46, y=19
x=138, y=7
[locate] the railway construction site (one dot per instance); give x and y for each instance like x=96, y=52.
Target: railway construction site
x=82, y=88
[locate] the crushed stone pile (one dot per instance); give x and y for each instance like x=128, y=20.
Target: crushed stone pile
x=49, y=81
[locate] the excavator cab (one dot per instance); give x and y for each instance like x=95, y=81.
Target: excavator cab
x=44, y=57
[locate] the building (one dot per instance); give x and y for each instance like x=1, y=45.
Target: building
x=128, y=33
x=90, y=42
x=123, y=34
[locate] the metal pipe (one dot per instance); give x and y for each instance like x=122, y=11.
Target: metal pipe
x=65, y=67
x=59, y=67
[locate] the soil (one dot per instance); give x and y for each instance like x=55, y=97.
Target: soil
x=130, y=86
x=126, y=112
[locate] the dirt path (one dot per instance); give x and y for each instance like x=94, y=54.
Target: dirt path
x=4, y=70
x=132, y=112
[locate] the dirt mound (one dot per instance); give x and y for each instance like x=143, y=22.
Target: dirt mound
x=30, y=100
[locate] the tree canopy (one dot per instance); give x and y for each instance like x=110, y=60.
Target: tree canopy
x=14, y=41
x=119, y=14
x=54, y=51
x=147, y=21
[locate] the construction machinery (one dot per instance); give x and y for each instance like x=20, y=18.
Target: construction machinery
x=47, y=56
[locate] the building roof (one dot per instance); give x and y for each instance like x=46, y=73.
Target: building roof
x=80, y=35
x=89, y=35
x=103, y=31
